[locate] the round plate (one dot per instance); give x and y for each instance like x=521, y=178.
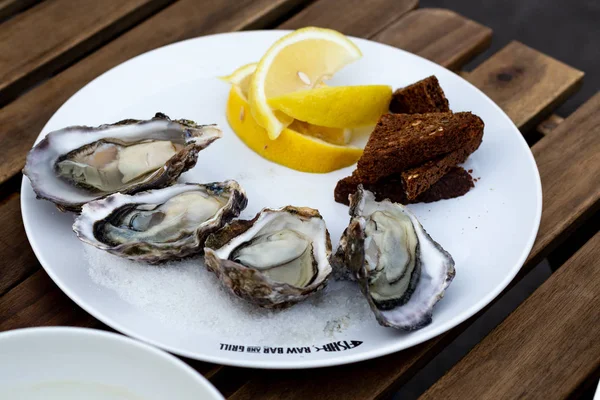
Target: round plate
x=489, y=231
x=75, y=363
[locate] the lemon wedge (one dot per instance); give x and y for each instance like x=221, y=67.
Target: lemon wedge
x=339, y=136
x=291, y=149
x=336, y=106
x=299, y=60
x=241, y=77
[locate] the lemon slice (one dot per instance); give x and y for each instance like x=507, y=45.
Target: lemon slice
x=241, y=77
x=291, y=149
x=332, y=135
x=300, y=60
x=336, y=106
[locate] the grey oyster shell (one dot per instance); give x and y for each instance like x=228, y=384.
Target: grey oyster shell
x=257, y=286
x=359, y=257
x=57, y=174
x=140, y=228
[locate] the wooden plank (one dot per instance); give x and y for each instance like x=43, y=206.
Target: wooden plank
x=545, y=349
x=17, y=258
x=9, y=8
x=37, y=301
x=549, y=124
x=525, y=83
x=439, y=35
x=569, y=160
x=23, y=119
x=544, y=127
x=351, y=17
x=45, y=38
x=564, y=206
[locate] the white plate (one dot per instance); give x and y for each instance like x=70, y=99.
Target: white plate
x=75, y=363
x=489, y=231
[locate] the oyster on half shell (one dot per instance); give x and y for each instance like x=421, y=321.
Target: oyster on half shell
x=78, y=164
x=274, y=260
x=161, y=224
x=401, y=270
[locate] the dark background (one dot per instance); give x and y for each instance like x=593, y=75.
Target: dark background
x=566, y=30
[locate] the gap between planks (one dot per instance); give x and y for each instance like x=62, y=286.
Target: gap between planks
x=10, y=8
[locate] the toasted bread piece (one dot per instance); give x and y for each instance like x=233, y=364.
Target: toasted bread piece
x=400, y=142
x=424, y=96
x=418, y=179
x=455, y=183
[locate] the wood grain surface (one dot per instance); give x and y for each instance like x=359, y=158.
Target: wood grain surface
x=41, y=40
x=525, y=83
x=544, y=127
x=545, y=349
x=23, y=119
x=17, y=260
x=549, y=124
x=9, y=8
x=37, y=301
x=351, y=17
x=441, y=36
x=568, y=158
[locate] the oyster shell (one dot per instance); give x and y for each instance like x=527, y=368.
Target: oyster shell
x=400, y=269
x=78, y=164
x=274, y=260
x=161, y=224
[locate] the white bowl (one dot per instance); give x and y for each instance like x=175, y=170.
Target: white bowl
x=76, y=363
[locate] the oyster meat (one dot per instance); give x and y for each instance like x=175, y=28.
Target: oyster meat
x=275, y=260
x=401, y=270
x=161, y=224
x=78, y=164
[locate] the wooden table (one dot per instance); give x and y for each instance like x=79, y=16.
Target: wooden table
x=549, y=347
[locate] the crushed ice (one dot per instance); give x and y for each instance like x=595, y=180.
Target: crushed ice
x=184, y=295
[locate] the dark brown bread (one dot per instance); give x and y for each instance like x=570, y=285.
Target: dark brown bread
x=401, y=141
x=455, y=183
x=418, y=179
x=424, y=96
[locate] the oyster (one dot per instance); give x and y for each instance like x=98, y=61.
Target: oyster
x=275, y=260
x=78, y=164
x=161, y=224
x=401, y=271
